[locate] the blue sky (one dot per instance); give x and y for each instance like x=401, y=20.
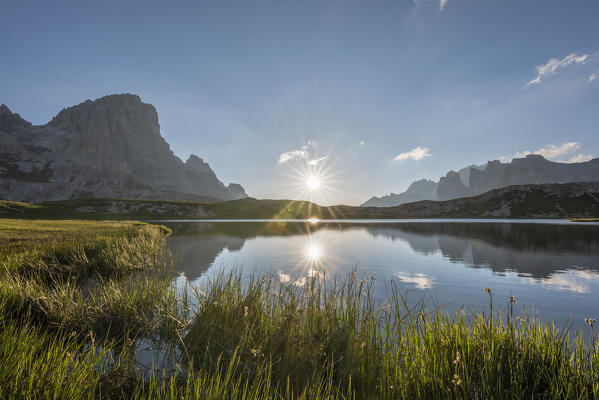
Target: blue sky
x=388, y=91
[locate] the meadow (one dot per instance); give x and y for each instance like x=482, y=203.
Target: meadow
x=77, y=298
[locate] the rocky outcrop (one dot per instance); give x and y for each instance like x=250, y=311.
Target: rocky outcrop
x=474, y=180
x=423, y=189
x=579, y=199
x=109, y=147
x=451, y=187
x=534, y=169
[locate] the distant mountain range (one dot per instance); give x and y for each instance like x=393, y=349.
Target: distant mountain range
x=475, y=180
x=109, y=147
x=550, y=200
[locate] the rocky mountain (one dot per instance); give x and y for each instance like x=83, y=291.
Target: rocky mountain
x=423, y=189
x=579, y=199
x=109, y=147
x=475, y=180
x=553, y=200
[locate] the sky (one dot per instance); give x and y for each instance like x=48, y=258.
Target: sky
x=367, y=95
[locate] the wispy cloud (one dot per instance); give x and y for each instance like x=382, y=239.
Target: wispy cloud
x=593, y=76
x=290, y=155
x=317, y=161
x=415, y=154
x=556, y=153
x=442, y=3
x=554, y=64
x=302, y=154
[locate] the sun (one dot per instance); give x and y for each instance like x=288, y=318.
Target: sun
x=313, y=182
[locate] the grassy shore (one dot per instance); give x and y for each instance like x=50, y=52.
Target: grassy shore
x=78, y=298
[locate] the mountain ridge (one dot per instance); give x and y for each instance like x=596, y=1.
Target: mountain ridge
x=568, y=200
x=475, y=180
x=108, y=147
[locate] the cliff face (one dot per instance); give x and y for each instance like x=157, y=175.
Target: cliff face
x=451, y=187
x=534, y=169
x=475, y=180
x=420, y=190
x=110, y=147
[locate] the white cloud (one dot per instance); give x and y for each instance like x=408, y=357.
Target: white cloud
x=553, y=65
x=551, y=151
x=442, y=3
x=290, y=155
x=317, y=161
x=593, y=76
x=555, y=153
x=362, y=142
x=302, y=154
x=415, y=154
x=580, y=158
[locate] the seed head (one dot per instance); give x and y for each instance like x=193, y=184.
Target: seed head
x=512, y=299
x=456, y=380
x=488, y=290
x=458, y=358
x=590, y=321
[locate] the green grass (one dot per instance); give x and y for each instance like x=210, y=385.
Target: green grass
x=71, y=331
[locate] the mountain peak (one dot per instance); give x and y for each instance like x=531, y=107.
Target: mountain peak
x=107, y=147
x=10, y=121
x=116, y=114
x=4, y=110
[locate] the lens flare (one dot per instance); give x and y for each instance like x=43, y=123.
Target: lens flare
x=313, y=182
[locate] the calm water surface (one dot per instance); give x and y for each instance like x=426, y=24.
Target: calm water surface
x=551, y=265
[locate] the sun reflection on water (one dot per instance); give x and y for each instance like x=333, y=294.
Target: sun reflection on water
x=313, y=253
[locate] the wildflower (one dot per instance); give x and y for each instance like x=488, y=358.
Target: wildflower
x=590, y=321
x=488, y=290
x=255, y=352
x=456, y=380
x=458, y=358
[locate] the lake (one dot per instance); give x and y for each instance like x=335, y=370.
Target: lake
x=551, y=266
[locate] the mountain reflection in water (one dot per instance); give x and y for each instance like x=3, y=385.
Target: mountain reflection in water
x=536, y=250
x=553, y=267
